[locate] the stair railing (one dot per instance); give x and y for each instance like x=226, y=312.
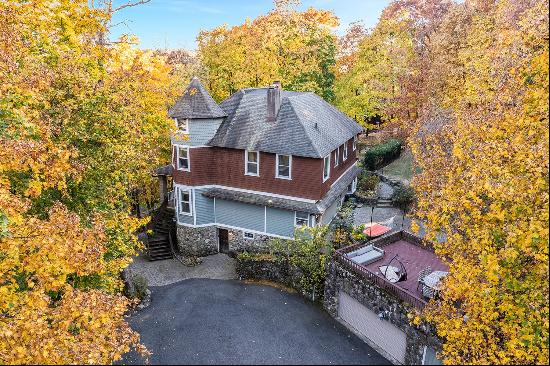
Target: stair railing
x=175, y=252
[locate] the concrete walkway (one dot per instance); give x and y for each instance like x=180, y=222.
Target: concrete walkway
x=385, y=191
x=165, y=272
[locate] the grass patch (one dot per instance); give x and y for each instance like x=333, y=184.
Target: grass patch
x=401, y=167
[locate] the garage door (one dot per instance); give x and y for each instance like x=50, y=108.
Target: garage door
x=386, y=336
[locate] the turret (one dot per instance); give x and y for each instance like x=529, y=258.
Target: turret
x=196, y=115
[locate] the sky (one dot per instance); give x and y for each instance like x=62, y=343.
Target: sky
x=175, y=23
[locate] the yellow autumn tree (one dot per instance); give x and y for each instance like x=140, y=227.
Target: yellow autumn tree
x=386, y=76
x=296, y=48
x=482, y=142
x=82, y=124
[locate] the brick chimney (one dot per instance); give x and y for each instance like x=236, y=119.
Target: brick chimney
x=273, y=101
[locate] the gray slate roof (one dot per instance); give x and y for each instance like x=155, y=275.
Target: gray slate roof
x=196, y=103
x=288, y=204
x=306, y=125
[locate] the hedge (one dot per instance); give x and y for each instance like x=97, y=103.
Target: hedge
x=382, y=154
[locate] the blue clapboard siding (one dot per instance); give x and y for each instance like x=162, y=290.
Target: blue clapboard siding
x=280, y=222
x=240, y=215
x=184, y=219
x=330, y=212
x=200, y=131
x=204, y=207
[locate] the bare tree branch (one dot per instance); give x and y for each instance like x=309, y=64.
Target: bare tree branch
x=130, y=3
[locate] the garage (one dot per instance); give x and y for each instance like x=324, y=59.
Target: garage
x=385, y=335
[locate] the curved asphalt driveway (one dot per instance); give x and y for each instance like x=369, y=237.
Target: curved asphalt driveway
x=203, y=321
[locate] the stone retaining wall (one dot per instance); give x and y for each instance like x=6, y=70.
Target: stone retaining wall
x=372, y=297
x=270, y=269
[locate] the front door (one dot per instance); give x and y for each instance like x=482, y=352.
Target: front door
x=223, y=241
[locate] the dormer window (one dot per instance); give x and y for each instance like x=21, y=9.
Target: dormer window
x=336, y=156
x=182, y=125
x=326, y=167
x=345, y=153
x=252, y=163
x=284, y=166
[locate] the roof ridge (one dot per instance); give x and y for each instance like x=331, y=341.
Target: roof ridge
x=242, y=95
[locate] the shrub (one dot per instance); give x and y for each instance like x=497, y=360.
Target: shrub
x=342, y=225
x=357, y=233
x=309, y=252
x=368, y=182
x=403, y=197
x=259, y=257
x=136, y=287
x=382, y=154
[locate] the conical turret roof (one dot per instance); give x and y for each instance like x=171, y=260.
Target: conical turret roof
x=196, y=103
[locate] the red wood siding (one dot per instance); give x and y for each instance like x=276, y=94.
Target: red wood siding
x=221, y=166
x=336, y=172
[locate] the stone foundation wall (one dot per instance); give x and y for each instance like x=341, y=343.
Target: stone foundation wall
x=238, y=243
x=395, y=311
x=203, y=241
x=197, y=241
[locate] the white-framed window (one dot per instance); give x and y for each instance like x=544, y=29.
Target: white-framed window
x=301, y=219
x=345, y=153
x=326, y=167
x=248, y=236
x=182, y=161
x=182, y=125
x=252, y=163
x=354, y=145
x=337, y=156
x=185, y=206
x=283, y=167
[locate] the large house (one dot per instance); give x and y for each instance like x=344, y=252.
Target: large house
x=256, y=166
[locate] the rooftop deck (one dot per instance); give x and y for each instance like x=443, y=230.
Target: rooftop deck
x=414, y=255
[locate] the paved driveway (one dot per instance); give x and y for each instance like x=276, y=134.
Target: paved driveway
x=203, y=321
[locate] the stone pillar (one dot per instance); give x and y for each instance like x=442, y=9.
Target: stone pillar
x=163, y=187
